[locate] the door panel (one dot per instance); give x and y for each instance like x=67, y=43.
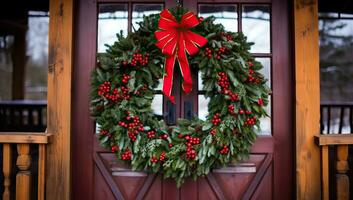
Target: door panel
x=265, y=175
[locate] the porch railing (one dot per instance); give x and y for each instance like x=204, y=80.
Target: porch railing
x=336, y=118
x=23, y=186
x=23, y=115
x=342, y=183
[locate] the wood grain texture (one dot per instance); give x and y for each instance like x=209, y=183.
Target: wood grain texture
x=307, y=98
x=25, y=138
x=59, y=99
x=7, y=170
x=334, y=139
x=41, y=172
x=342, y=180
x=325, y=173
x=24, y=175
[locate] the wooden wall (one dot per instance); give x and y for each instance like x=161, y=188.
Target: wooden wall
x=307, y=91
x=59, y=99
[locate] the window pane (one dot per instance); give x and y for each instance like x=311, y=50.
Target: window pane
x=336, y=60
x=37, y=55
x=157, y=104
x=140, y=10
x=266, y=121
x=203, y=107
x=112, y=19
x=224, y=14
x=266, y=71
x=256, y=26
x=199, y=81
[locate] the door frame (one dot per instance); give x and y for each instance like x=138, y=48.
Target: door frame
x=63, y=172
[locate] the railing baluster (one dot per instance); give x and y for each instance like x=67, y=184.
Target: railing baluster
x=342, y=180
x=341, y=120
x=41, y=172
x=24, y=176
x=328, y=119
x=351, y=118
x=325, y=172
x=7, y=170
x=30, y=118
x=321, y=120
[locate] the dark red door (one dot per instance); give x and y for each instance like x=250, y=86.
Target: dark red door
x=268, y=174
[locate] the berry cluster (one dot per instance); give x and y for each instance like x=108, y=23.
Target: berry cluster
x=223, y=81
x=104, y=88
x=114, y=149
x=126, y=155
x=190, y=153
x=213, y=132
x=192, y=140
x=224, y=150
x=134, y=127
x=231, y=109
x=126, y=78
x=151, y=134
x=154, y=159
x=104, y=132
x=138, y=58
x=162, y=156
x=220, y=52
x=260, y=101
x=250, y=121
x=208, y=52
x=251, y=77
x=170, y=145
x=227, y=36
x=164, y=136
x=104, y=91
x=216, y=119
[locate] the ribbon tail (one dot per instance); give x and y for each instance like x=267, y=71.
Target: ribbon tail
x=185, y=70
x=184, y=66
x=168, y=77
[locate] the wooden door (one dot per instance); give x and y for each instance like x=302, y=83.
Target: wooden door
x=268, y=174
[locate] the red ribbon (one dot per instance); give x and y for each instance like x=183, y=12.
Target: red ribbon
x=175, y=39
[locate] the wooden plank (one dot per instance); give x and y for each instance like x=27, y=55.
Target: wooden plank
x=7, y=170
x=26, y=138
x=61, y=31
x=334, y=139
x=307, y=98
x=325, y=173
x=41, y=172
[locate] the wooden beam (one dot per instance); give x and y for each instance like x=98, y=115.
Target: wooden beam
x=25, y=138
x=307, y=90
x=58, y=172
x=334, y=139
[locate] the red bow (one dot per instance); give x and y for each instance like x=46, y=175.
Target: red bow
x=175, y=39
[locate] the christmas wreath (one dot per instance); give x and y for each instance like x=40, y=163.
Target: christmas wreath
x=126, y=76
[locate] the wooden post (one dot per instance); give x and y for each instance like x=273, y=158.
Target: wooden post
x=24, y=176
x=307, y=98
x=58, y=173
x=7, y=169
x=342, y=180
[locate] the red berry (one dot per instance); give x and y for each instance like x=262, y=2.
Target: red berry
x=114, y=149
